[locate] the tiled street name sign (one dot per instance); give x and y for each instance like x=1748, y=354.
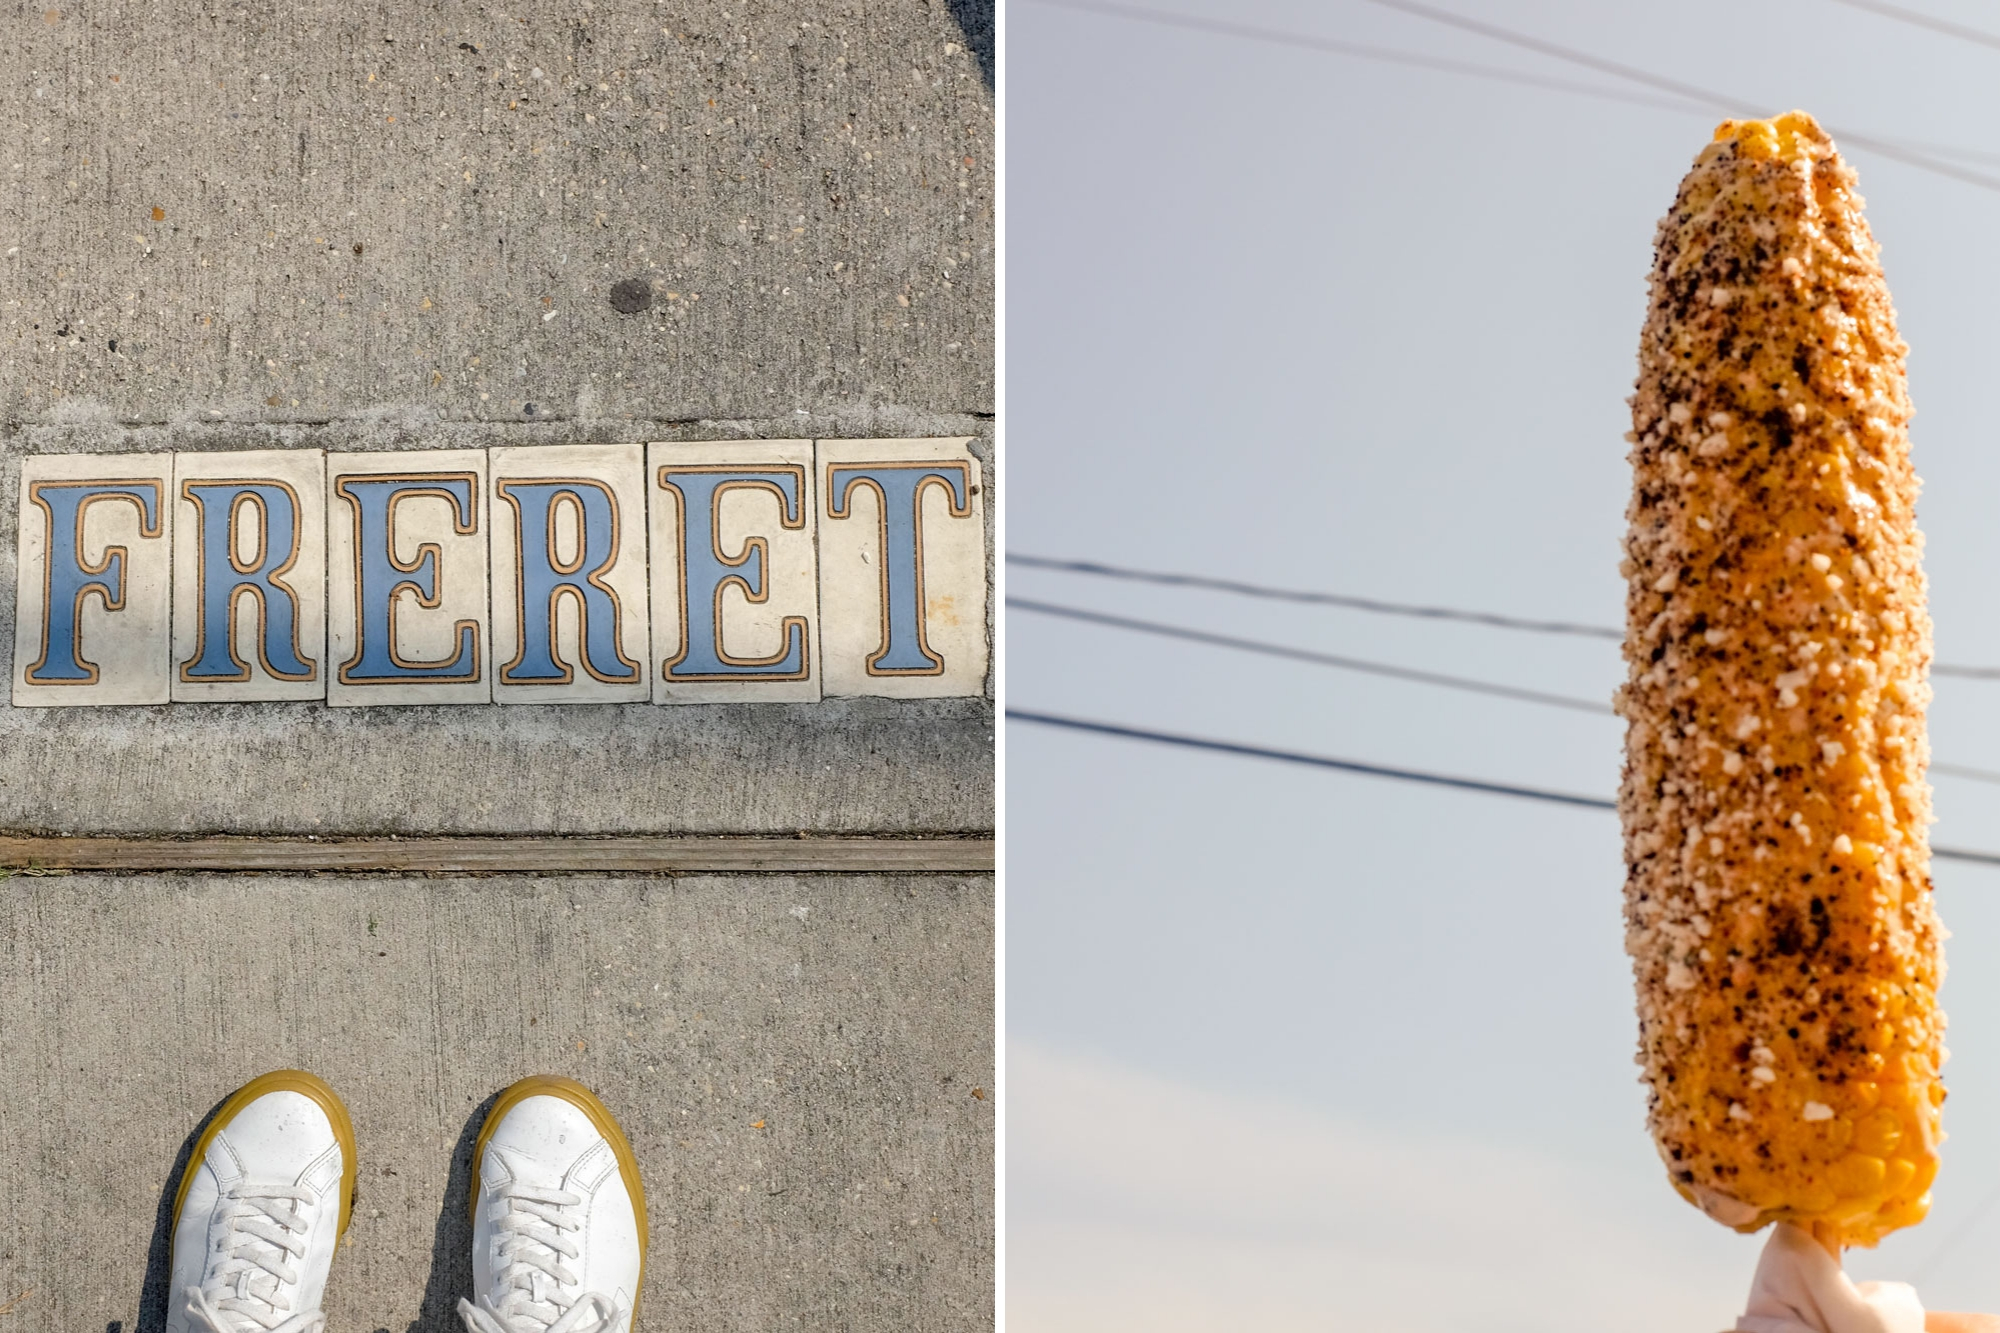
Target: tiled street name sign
x=746, y=571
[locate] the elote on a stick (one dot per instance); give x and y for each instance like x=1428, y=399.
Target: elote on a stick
x=1778, y=898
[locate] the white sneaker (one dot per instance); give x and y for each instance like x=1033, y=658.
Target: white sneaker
x=558, y=1215
x=260, y=1208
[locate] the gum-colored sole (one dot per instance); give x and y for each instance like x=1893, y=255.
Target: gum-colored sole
x=569, y=1090
x=282, y=1080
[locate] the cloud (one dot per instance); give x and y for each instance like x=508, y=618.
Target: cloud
x=1137, y=1202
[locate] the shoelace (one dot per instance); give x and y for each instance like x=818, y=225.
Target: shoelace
x=265, y=1237
x=529, y=1273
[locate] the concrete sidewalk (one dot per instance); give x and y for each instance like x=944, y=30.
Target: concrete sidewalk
x=803, y=1066
x=406, y=227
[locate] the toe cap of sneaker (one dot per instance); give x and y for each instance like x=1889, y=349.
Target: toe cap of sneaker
x=542, y=1137
x=280, y=1136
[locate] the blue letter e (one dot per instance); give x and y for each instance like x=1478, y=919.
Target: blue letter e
x=380, y=579
x=706, y=571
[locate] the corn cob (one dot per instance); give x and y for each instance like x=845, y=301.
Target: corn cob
x=1778, y=900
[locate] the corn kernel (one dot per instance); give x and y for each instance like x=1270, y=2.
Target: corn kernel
x=1857, y=1175
x=1878, y=1133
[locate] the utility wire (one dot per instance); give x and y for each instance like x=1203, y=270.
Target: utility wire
x=1352, y=603
x=1690, y=97
x=1952, y=150
x=1311, y=760
x=1307, y=655
x=1961, y=771
x=1373, y=770
x=1965, y=672
x=1735, y=106
x=1921, y=20
x=1239, y=588
x=1390, y=670
x=1279, y=37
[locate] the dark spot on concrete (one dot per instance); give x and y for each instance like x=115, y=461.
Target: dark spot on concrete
x=62, y=331
x=113, y=344
x=632, y=296
x=529, y=409
x=467, y=46
x=357, y=247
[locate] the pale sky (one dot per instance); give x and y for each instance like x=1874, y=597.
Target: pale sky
x=1297, y=1050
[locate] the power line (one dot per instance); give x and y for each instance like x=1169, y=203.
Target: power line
x=1278, y=37
x=1311, y=760
x=1267, y=592
x=1374, y=770
x=1961, y=771
x=1390, y=670
x=1352, y=603
x=1952, y=150
x=1965, y=672
x=1735, y=106
x=1911, y=16
x=1307, y=655
x=1689, y=97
